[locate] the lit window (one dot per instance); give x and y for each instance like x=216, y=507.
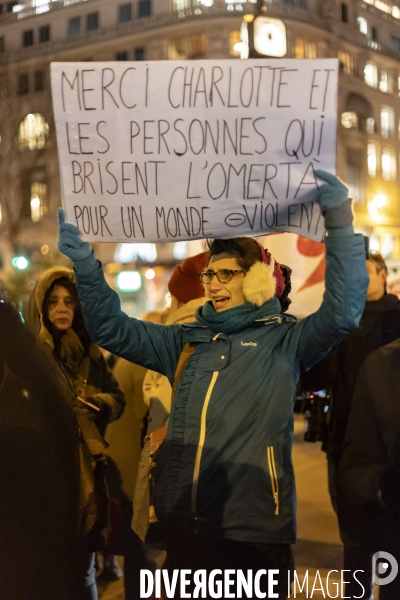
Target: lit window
x=234, y=41
x=349, y=120
x=371, y=75
x=38, y=201
x=387, y=245
x=299, y=48
x=305, y=49
x=387, y=120
x=181, y=4
x=370, y=125
x=371, y=158
x=363, y=25
x=382, y=6
x=384, y=81
x=374, y=245
x=345, y=62
x=188, y=48
x=33, y=132
x=310, y=50
x=388, y=162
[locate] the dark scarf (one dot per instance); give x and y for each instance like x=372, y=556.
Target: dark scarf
x=237, y=318
x=71, y=351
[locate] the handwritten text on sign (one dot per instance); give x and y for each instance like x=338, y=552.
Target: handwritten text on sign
x=171, y=150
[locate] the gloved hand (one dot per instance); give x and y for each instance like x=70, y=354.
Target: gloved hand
x=92, y=407
x=69, y=240
x=333, y=198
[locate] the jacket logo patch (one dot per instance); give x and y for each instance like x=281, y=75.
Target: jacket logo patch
x=248, y=344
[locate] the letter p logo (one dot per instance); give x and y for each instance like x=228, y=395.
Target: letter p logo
x=384, y=568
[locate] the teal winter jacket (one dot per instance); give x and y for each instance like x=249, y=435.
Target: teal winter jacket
x=225, y=467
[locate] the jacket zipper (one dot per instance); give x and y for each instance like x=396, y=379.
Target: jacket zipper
x=270, y=320
x=273, y=476
x=200, y=446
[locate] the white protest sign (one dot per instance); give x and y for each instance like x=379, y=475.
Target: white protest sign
x=180, y=150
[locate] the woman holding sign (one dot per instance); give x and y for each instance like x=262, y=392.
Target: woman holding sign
x=225, y=491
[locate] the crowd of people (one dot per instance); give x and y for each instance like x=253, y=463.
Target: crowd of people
x=210, y=479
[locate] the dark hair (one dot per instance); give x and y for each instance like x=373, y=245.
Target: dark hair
x=378, y=260
x=247, y=253
x=245, y=250
x=284, y=297
x=78, y=323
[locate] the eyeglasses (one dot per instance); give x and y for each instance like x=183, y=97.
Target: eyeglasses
x=223, y=275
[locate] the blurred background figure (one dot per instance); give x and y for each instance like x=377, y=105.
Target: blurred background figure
x=148, y=394
x=369, y=474
x=337, y=373
x=125, y=438
x=187, y=294
x=40, y=550
x=56, y=317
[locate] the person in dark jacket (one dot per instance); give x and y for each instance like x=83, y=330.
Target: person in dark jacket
x=225, y=490
x=338, y=372
x=379, y=325
x=369, y=472
x=56, y=317
x=40, y=550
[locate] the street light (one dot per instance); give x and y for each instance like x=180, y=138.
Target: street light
x=380, y=200
x=20, y=262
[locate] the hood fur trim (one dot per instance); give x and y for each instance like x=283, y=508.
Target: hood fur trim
x=259, y=283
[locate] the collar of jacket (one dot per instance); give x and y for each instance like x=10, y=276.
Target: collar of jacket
x=237, y=318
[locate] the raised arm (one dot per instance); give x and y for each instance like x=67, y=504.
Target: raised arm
x=346, y=278
x=155, y=347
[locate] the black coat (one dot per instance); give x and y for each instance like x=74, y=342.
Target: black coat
x=338, y=372
x=40, y=555
x=372, y=445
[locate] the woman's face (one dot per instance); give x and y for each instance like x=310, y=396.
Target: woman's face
x=61, y=308
x=225, y=295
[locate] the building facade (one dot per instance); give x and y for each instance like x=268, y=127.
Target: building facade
x=363, y=35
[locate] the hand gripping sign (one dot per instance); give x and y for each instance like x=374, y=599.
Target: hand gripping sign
x=180, y=150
